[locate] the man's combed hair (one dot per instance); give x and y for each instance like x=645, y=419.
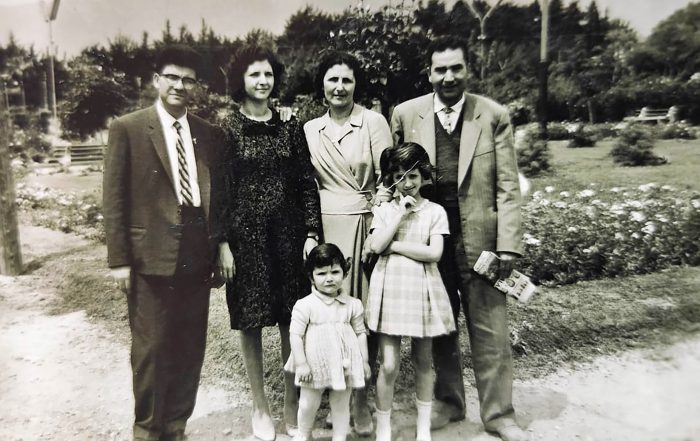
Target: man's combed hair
x=327, y=254
x=246, y=56
x=442, y=43
x=179, y=55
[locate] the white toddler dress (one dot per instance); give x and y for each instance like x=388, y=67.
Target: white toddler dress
x=329, y=327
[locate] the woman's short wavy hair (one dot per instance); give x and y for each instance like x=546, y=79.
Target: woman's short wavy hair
x=244, y=58
x=333, y=58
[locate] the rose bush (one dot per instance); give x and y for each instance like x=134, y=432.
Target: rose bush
x=57, y=210
x=594, y=233
x=570, y=236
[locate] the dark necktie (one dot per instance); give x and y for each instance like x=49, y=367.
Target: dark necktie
x=182, y=170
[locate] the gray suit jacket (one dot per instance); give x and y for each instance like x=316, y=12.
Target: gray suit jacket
x=139, y=201
x=488, y=185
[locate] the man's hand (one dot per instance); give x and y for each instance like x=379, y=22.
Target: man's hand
x=506, y=263
x=226, y=263
x=122, y=277
x=309, y=244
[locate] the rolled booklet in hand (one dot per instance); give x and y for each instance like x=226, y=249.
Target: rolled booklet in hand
x=516, y=284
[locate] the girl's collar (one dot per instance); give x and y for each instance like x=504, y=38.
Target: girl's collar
x=341, y=297
x=418, y=207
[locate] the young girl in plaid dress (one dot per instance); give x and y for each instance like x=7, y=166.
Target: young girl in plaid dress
x=329, y=343
x=406, y=294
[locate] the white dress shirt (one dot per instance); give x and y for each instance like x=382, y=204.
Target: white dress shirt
x=448, y=120
x=170, y=134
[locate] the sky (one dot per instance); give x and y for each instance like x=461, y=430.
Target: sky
x=81, y=23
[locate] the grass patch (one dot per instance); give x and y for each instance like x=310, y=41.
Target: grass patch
x=573, y=169
x=559, y=326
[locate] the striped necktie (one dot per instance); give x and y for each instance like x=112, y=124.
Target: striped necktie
x=182, y=170
x=448, y=124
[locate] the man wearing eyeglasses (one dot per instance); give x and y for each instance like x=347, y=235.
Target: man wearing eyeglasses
x=156, y=207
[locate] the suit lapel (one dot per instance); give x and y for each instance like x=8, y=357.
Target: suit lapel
x=426, y=127
x=155, y=132
x=471, y=130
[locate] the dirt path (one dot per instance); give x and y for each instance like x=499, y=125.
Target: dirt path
x=65, y=378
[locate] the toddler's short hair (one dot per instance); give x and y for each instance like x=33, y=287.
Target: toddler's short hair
x=326, y=254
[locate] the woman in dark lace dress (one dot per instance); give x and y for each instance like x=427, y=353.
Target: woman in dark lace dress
x=266, y=213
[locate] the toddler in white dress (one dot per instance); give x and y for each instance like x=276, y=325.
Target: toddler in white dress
x=328, y=342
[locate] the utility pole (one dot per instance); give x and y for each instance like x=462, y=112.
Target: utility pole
x=544, y=68
x=482, y=35
x=10, y=254
x=50, y=17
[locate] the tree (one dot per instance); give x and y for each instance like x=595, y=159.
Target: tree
x=92, y=96
x=677, y=40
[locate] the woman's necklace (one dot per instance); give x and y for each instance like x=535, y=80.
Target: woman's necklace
x=261, y=114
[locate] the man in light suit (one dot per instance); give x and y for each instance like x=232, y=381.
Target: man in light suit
x=470, y=142
x=156, y=206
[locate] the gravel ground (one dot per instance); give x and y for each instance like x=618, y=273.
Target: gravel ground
x=66, y=378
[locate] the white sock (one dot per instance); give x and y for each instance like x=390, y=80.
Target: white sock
x=423, y=420
x=383, y=429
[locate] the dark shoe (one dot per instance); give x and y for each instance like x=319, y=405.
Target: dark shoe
x=443, y=414
x=175, y=436
x=512, y=433
x=362, y=421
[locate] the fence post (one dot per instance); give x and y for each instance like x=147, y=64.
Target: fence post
x=10, y=257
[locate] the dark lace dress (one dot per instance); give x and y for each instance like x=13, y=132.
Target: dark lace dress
x=264, y=201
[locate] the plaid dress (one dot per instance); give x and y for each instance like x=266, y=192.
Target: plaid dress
x=407, y=297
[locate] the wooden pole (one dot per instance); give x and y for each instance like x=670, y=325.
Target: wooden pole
x=10, y=257
x=544, y=68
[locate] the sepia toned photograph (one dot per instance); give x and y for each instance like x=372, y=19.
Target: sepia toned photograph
x=330, y=220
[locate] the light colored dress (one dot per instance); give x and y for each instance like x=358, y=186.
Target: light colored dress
x=346, y=160
x=329, y=327
x=407, y=297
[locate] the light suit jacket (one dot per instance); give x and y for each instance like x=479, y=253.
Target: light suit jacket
x=487, y=173
x=141, y=216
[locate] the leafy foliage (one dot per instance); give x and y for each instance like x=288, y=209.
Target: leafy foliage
x=92, y=97
x=532, y=152
x=594, y=233
x=581, y=136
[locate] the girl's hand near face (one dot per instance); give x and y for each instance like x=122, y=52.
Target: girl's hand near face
x=406, y=203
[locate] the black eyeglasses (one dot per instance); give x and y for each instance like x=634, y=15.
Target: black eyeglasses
x=187, y=82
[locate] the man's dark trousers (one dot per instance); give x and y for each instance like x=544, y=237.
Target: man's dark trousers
x=485, y=311
x=168, y=319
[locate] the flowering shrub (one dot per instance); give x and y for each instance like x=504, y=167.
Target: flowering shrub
x=595, y=233
x=581, y=136
x=677, y=131
x=634, y=147
x=532, y=153
x=67, y=212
